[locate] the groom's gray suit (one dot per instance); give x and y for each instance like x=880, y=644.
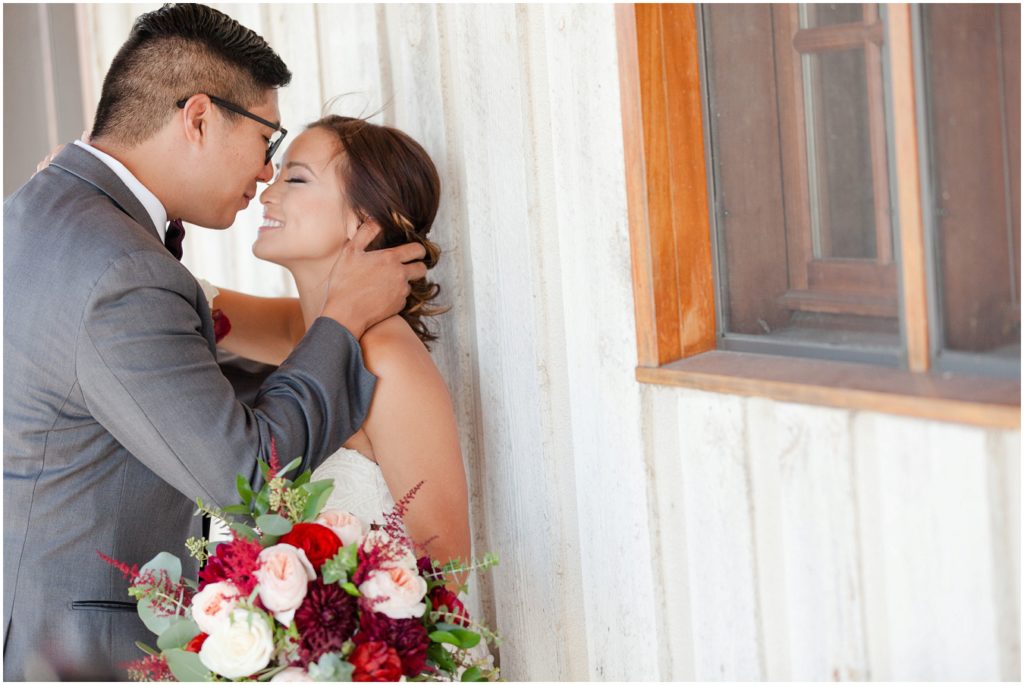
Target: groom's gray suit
x=116, y=415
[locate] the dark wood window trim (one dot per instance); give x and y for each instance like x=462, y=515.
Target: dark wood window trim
x=671, y=252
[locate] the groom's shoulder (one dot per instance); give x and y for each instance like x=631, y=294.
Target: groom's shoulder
x=71, y=218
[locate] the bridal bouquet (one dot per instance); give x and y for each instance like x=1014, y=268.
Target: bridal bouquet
x=298, y=593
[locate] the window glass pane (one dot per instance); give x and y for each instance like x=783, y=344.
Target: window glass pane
x=839, y=155
x=972, y=99
x=799, y=158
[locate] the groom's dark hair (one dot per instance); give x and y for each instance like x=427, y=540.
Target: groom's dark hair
x=173, y=53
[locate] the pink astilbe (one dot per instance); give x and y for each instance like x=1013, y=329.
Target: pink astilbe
x=275, y=462
x=129, y=572
x=168, y=598
x=394, y=519
x=150, y=668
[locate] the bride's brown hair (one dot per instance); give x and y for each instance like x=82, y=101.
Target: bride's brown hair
x=390, y=178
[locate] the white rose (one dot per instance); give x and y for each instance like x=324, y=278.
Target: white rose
x=403, y=556
x=292, y=674
x=347, y=527
x=212, y=606
x=395, y=592
x=241, y=648
x=284, y=573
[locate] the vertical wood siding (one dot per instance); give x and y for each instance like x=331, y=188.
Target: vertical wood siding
x=645, y=533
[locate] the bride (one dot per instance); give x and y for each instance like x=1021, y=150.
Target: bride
x=337, y=175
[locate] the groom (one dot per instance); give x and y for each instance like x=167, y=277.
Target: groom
x=116, y=415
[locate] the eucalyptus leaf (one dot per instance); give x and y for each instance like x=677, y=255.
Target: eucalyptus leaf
x=242, y=529
x=186, y=666
x=331, y=668
x=167, y=562
x=178, y=634
x=154, y=621
x=274, y=524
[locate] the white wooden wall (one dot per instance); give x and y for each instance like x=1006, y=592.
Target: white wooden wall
x=645, y=533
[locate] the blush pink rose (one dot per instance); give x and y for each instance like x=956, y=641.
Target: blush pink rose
x=395, y=592
x=347, y=527
x=211, y=606
x=284, y=573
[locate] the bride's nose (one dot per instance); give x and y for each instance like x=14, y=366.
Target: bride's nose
x=267, y=195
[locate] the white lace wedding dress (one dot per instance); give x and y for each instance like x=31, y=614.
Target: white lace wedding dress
x=360, y=489
x=359, y=485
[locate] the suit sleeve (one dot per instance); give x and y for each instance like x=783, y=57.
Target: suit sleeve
x=149, y=377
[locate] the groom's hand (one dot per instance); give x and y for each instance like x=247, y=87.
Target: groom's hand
x=365, y=288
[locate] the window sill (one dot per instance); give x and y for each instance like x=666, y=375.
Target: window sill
x=974, y=400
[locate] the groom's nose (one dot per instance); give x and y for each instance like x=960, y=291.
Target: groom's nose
x=267, y=173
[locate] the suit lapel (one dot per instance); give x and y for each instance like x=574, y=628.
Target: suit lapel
x=90, y=169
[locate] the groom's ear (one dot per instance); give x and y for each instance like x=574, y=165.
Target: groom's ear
x=194, y=118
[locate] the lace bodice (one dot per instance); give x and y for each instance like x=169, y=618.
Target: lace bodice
x=359, y=485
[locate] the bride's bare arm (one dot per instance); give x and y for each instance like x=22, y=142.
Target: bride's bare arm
x=411, y=427
x=265, y=329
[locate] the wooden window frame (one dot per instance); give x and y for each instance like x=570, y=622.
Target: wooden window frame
x=671, y=251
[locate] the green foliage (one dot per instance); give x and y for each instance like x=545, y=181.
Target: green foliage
x=330, y=668
x=473, y=675
x=339, y=568
x=187, y=667
x=154, y=620
x=274, y=524
x=165, y=561
x=440, y=656
x=178, y=633
x=316, y=497
x=244, y=489
x=197, y=548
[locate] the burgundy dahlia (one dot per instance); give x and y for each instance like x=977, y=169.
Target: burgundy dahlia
x=326, y=618
x=237, y=561
x=406, y=635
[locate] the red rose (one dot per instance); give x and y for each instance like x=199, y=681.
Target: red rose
x=196, y=643
x=443, y=599
x=375, y=662
x=319, y=542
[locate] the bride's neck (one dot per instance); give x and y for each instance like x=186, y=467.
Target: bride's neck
x=312, y=287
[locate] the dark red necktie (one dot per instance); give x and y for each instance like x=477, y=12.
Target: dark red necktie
x=172, y=240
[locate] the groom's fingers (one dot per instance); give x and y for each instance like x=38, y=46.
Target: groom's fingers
x=49, y=158
x=410, y=252
x=365, y=234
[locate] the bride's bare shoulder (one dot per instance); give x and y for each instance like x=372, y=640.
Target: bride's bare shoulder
x=392, y=346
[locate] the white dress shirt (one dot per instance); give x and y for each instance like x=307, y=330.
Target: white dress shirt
x=149, y=201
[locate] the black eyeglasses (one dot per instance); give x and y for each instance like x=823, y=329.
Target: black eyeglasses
x=271, y=146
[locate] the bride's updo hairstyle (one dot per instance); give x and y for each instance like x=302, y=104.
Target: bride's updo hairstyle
x=390, y=178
